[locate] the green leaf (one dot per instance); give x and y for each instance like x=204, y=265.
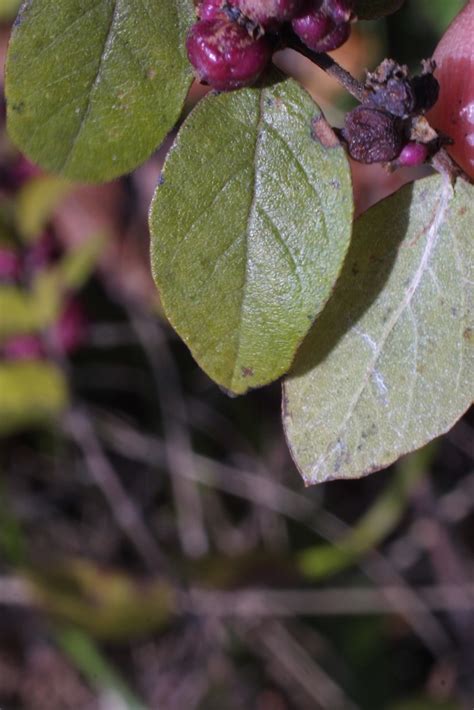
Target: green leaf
x=388, y=366
x=250, y=227
x=93, y=87
x=373, y=9
x=32, y=393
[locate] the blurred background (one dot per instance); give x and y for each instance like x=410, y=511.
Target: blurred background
x=158, y=550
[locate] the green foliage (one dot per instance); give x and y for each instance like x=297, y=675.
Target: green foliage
x=388, y=366
x=92, y=87
x=250, y=228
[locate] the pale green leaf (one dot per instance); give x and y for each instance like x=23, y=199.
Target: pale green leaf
x=36, y=202
x=389, y=364
x=250, y=227
x=31, y=394
x=93, y=86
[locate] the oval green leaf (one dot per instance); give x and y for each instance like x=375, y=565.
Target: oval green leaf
x=250, y=227
x=373, y=9
x=389, y=364
x=93, y=87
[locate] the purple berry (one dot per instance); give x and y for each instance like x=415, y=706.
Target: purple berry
x=340, y=11
x=225, y=56
x=412, y=155
x=210, y=10
x=10, y=265
x=312, y=27
x=319, y=32
x=268, y=13
x=23, y=347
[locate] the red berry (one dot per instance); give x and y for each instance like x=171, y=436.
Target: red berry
x=23, y=347
x=10, y=265
x=225, y=56
x=210, y=9
x=413, y=154
x=269, y=13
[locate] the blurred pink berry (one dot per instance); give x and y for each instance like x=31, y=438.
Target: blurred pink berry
x=23, y=347
x=454, y=112
x=10, y=265
x=70, y=330
x=225, y=56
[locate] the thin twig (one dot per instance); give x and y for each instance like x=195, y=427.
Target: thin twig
x=78, y=426
x=332, y=68
x=178, y=447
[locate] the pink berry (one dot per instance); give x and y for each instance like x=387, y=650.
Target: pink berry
x=10, y=265
x=268, y=13
x=69, y=331
x=413, y=154
x=23, y=347
x=225, y=56
x=210, y=9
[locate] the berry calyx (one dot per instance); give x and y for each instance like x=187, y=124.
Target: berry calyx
x=412, y=155
x=225, y=56
x=269, y=14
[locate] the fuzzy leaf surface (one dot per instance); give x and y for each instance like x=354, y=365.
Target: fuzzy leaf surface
x=389, y=364
x=250, y=227
x=94, y=86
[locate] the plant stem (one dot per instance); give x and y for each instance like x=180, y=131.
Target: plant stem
x=331, y=67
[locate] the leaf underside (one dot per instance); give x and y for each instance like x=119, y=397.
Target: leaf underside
x=388, y=366
x=94, y=86
x=250, y=227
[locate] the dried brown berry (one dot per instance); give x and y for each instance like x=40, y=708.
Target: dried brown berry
x=372, y=136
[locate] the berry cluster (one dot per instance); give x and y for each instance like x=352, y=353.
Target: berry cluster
x=232, y=42
x=389, y=126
